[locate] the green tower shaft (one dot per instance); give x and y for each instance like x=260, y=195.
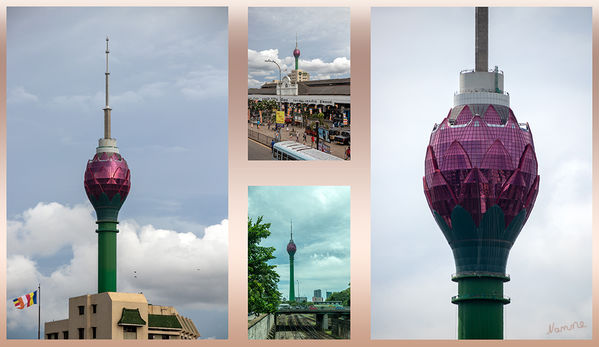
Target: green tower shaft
x=480, y=303
x=296, y=63
x=106, y=256
x=291, y=280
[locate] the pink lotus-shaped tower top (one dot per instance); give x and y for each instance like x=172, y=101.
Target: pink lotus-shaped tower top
x=291, y=247
x=107, y=173
x=480, y=161
x=296, y=52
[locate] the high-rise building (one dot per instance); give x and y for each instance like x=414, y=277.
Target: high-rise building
x=291, y=248
x=481, y=184
x=318, y=293
x=110, y=314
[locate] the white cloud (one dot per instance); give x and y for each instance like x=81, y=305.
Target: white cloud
x=203, y=84
x=177, y=269
x=46, y=228
x=260, y=71
x=19, y=94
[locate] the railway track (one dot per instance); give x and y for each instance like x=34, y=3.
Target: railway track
x=300, y=327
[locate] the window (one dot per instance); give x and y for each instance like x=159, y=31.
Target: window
x=93, y=332
x=94, y=307
x=81, y=309
x=165, y=337
x=52, y=336
x=81, y=332
x=65, y=334
x=130, y=333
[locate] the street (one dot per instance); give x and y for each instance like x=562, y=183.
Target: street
x=258, y=151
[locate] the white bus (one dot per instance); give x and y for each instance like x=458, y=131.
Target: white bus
x=291, y=150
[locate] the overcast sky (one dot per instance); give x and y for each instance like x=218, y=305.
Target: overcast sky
x=417, y=54
x=320, y=232
x=168, y=88
x=322, y=38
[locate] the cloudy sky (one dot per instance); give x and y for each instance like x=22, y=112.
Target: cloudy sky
x=322, y=38
x=168, y=88
x=320, y=231
x=417, y=54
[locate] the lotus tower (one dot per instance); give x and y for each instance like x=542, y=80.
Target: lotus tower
x=107, y=182
x=291, y=248
x=481, y=183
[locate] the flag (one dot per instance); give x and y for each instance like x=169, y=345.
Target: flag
x=26, y=300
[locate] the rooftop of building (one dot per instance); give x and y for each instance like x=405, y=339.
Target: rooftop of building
x=335, y=86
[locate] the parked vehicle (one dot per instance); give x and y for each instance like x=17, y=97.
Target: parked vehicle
x=343, y=138
x=332, y=134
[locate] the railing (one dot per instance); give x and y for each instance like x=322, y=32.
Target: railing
x=473, y=70
x=263, y=139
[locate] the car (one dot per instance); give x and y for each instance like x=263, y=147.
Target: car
x=332, y=134
x=312, y=308
x=343, y=138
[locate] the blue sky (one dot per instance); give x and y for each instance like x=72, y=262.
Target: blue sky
x=323, y=40
x=321, y=232
x=168, y=93
x=417, y=54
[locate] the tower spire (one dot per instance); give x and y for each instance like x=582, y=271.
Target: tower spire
x=291, y=229
x=481, y=40
x=296, y=40
x=107, y=108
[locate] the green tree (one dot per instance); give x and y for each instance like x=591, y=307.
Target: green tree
x=263, y=295
x=343, y=296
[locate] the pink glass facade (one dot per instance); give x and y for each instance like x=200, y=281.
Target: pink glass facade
x=291, y=248
x=107, y=173
x=480, y=161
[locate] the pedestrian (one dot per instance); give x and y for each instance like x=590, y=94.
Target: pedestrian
x=347, y=153
x=272, y=146
x=312, y=145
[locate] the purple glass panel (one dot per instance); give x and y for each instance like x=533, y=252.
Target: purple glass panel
x=291, y=247
x=107, y=174
x=477, y=166
x=464, y=117
x=491, y=116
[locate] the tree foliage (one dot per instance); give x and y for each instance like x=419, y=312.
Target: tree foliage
x=263, y=295
x=343, y=296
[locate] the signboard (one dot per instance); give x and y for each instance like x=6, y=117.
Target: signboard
x=344, y=120
x=280, y=117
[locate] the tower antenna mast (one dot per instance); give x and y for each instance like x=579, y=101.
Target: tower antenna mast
x=107, y=108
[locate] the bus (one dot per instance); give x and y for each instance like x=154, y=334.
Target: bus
x=291, y=150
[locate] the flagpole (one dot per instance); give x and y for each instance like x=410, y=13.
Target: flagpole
x=39, y=309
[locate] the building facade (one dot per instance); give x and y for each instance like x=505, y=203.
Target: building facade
x=120, y=316
x=299, y=76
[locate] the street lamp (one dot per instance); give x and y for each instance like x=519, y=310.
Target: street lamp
x=272, y=61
